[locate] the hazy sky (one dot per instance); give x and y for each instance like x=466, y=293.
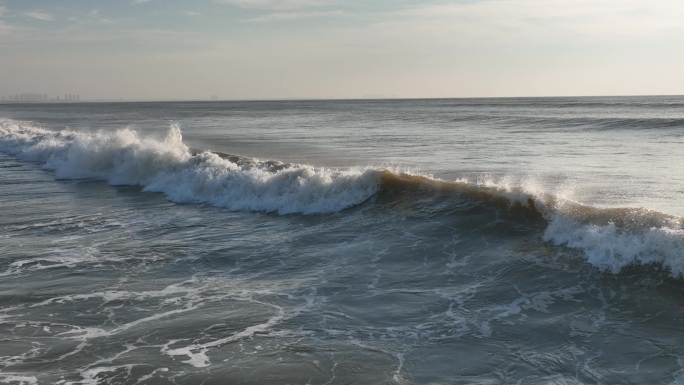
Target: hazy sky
x=253, y=49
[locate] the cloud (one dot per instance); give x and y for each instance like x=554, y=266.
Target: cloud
x=96, y=16
x=283, y=10
x=538, y=25
x=191, y=13
x=39, y=15
x=293, y=15
x=276, y=5
x=5, y=29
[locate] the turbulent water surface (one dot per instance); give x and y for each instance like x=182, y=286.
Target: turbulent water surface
x=483, y=241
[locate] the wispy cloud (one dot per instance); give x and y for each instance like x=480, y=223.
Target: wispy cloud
x=191, y=13
x=96, y=16
x=515, y=21
x=294, y=15
x=39, y=15
x=9, y=29
x=276, y=5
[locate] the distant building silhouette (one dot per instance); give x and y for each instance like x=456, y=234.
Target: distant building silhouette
x=72, y=97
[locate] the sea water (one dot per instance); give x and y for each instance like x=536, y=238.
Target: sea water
x=454, y=241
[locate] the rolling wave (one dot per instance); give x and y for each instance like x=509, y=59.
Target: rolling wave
x=611, y=239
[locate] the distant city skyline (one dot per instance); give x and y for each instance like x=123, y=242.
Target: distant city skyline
x=318, y=49
x=37, y=97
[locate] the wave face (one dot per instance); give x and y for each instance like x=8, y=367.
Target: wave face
x=167, y=165
x=611, y=239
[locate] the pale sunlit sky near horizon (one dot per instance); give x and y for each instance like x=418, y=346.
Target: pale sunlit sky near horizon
x=270, y=49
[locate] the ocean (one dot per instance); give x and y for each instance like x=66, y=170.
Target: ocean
x=441, y=241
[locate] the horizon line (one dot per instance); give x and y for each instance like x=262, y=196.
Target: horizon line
x=314, y=99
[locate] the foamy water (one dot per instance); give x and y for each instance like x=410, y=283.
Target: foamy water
x=444, y=241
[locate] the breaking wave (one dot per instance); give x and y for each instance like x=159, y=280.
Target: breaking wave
x=611, y=239
x=167, y=165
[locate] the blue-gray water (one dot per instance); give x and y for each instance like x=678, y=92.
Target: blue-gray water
x=482, y=241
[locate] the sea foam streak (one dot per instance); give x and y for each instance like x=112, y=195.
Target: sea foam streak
x=611, y=239
x=123, y=157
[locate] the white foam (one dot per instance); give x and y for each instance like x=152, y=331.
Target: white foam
x=92, y=376
x=17, y=379
x=166, y=165
x=197, y=353
x=611, y=248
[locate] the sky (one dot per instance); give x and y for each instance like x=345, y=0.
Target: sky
x=283, y=49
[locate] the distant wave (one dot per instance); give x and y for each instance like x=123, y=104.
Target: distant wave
x=536, y=122
x=674, y=102
x=611, y=239
x=597, y=123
